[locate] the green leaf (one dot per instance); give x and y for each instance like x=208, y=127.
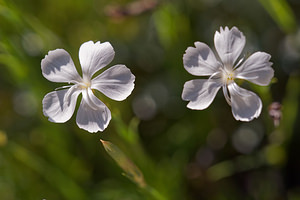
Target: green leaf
x=131, y=170
x=282, y=14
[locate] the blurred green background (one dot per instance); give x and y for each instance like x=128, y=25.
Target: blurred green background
x=182, y=154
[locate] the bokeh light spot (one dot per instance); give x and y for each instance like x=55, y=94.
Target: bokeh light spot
x=245, y=139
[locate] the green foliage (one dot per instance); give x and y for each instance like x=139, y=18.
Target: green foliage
x=165, y=149
x=281, y=13
x=130, y=169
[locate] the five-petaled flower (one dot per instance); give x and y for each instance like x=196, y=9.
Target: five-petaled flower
x=116, y=82
x=201, y=61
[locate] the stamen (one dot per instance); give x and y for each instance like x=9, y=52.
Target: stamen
x=227, y=76
x=84, y=85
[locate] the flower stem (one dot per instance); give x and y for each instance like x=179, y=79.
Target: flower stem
x=154, y=193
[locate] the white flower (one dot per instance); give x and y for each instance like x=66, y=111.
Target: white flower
x=201, y=61
x=116, y=82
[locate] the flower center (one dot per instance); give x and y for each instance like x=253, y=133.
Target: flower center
x=228, y=77
x=85, y=84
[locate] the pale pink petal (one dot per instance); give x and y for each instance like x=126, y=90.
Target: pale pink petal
x=94, y=56
x=59, y=105
x=116, y=82
x=257, y=69
x=200, y=60
x=58, y=66
x=200, y=92
x=229, y=45
x=92, y=115
x=245, y=104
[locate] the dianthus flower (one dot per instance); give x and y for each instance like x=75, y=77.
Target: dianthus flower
x=222, y=71
x=116, y=82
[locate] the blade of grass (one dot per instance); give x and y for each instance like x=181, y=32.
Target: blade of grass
x=281, y=13
x=132, y=172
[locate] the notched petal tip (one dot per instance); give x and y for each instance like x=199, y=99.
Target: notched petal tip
x=90, y=42
x=238, y=118
x=51, y=53
x=226, y=29
x=229, y=44
x=254, y=116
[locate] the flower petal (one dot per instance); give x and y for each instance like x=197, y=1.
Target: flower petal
x=245, y=104
x=58, y=66
x=200, y=92
x=229, y=45
x=94, y=56
x=256, y=69
x=59, y=105
x=92, y=115
x=116, y=82
x=200, y=61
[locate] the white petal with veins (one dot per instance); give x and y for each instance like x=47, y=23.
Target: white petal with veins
x=229, y=45
x=257, y=69
x=116, y=82
x=59, y=105
x=58, y=66
x=200, y=92
x=200, y=60
x=94, y=56
x=92, y=115
x=245, y=104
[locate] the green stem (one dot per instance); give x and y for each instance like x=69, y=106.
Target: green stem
x=154, y=193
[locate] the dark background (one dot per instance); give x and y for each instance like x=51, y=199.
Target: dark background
x=183, y=154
